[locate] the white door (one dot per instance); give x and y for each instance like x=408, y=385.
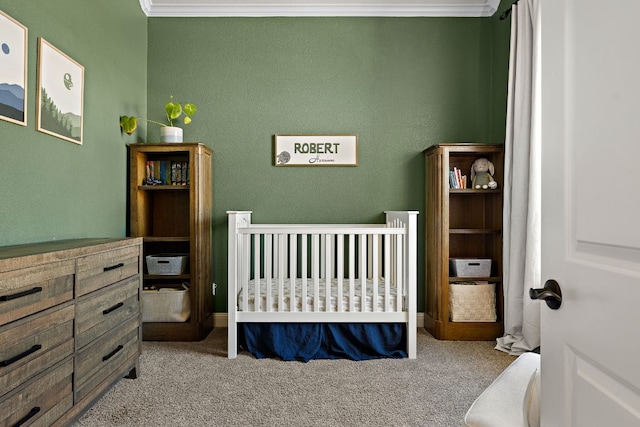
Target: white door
x=590, y=362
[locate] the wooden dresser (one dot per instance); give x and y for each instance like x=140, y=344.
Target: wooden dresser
x=69, y=326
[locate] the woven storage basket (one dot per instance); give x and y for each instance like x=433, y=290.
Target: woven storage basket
x=166, y=305
x=472, y=302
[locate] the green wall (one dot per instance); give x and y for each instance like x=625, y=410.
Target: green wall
x=400, y=84
x=54, y=189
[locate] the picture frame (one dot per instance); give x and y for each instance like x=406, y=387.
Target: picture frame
x=315, y=150
x=60, y=94
x=13, y=70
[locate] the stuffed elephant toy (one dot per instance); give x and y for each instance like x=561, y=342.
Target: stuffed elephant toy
x=482, y=171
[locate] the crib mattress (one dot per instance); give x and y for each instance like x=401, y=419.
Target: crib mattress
x=365, y=304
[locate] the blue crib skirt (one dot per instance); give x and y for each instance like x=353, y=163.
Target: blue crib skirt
x=306, y=341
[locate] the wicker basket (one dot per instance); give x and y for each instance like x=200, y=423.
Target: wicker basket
x=166, y=305
x=472, y=302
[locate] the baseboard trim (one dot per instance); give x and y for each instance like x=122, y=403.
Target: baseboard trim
x=220, y=320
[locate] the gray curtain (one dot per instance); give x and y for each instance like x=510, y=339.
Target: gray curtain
x=522, y=186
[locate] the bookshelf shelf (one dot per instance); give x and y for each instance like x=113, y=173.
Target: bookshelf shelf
x=461, y=223
x=174, y=216
x=172, y=187
x=474, y=279
x=453, y=191
x=173, y=277
x=475, y=231
x=149, y=239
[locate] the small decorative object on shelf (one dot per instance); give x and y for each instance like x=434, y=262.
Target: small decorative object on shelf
x=482, y=171
x=169, y=132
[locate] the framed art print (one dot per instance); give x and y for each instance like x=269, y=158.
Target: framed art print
x=13, y=70
x=60, y=93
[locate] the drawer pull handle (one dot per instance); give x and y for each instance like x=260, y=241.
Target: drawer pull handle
x=27, y=417
x=21, y=294
x=113, y=353
x=115, y=307
x=113, y=267
x=22, y=355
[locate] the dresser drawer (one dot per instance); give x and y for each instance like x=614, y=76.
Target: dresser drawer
x=29, y=290
x=101, y=311
x=100, y=359
x=102, y=269
x=30, y=345
x=42, y=400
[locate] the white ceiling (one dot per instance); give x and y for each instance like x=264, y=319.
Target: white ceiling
x=257, y=8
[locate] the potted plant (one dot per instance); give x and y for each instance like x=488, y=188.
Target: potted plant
x=168, y=132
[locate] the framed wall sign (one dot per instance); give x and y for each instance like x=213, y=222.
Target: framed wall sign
x=316, y=150
x=13, y=70
x=60, y=93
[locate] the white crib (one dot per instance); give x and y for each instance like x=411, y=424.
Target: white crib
x=323, y=273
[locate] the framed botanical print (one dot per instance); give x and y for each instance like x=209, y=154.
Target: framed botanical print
x=13, y=70
x=60, y=93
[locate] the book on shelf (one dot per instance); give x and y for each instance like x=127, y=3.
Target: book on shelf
x=457, y=181
x=185, y=174
x=166, y=172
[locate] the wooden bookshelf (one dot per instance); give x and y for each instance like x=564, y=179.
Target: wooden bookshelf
x=461, y=223
x=175, y=218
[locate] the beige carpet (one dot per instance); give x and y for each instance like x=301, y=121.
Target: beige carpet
x=194, y=384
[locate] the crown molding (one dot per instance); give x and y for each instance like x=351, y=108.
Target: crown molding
x=266, y=8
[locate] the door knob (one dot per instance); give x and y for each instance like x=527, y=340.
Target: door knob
x=550, y=293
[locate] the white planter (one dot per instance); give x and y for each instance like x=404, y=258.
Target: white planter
x=170, y=134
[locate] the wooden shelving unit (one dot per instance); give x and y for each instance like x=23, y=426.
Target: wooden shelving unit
x=174, y=218
x=461, y=223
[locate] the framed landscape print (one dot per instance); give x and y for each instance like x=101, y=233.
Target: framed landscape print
x=13, y=70
x=60, y=93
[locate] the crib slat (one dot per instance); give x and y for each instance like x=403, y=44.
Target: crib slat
x=399, y=279
x=374, y=268
x=369, y=256
x=392, y=272
x=282, y=258
x=387, y=272
x=274, y=256
x=256, y=272
x=363, y=272
x=328, y=275
x=245, y=270
x=340, y=271
x=268, y=268
x=352, y=272
x=315, y=262
x=320, y=254
x=293, y=270
x=304, y=243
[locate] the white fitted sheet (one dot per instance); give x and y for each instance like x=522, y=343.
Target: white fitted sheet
x=309, y=299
